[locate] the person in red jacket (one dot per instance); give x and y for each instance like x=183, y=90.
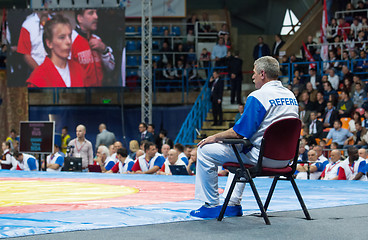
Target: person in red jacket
x=57, y=70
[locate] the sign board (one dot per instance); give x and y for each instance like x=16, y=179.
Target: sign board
x=37, y=137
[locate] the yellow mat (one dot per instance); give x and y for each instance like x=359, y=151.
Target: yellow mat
x=18, y=193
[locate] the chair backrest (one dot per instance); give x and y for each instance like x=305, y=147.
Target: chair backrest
x=281, y=138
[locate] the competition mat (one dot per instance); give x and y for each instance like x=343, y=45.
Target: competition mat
x=41, y=202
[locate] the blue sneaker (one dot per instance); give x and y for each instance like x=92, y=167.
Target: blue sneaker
x=234, y=211
x=206, y=212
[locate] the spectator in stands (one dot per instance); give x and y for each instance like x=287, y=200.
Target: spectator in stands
x=236, y=77
x=346, y=73
x=165, y=150
x=171, y=160
x=191, y=168
x=261, y=49
x=339, y=135
x=223, y=31
x=125, y=163
x=169, y=73
x=328, y=90
x=365, y=121
x=205, y=58
x=355, y=28
x=180, y=71
x=81, y=147
x=145, y=135
x=345, y=56
x=166, y=37
x=217, y=87
x=359, y=41
x=359, y=95
x=206, y=25
x=219, y=52
x=332, y=29
x=12, y=137
x=180, y=55
x=362, y=63
x=320, y=104
x=314, y=167
x=353, y=168
x=191, y=22
x=277, y=45
x=331, y=170
x=345, y=105
x=150, y=162
x=180, y=149
x=333, y=64
x=343, y=29
x=314, y=79
x=333, y=79
x=297, y=81
x=361, y=14
x=227, y=41
x=311, y=49
x=54, y=161
x=190, y=38
x=103, y=159
x=356, y=118
x=349, y=15
x=25, y=162
x=315, y=127
x=133, y=148
x=312, y=92
x=164, y=139
x=309, y=105
x=364, y=24
x=105, y=137
x=303, y=114
x=6, y=158
x=360, y=136
x=167, y=56
x=329, y=116
x=191, y=57
x=65, y=139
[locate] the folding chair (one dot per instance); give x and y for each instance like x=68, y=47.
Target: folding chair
x=280, y=142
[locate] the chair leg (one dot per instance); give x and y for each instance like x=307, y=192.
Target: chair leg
x=272, y=189
x=227, y=199
x=258, y=199
x=300, y=198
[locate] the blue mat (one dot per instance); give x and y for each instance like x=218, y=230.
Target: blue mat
x=316, y=194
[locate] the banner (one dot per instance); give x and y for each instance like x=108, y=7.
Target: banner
x=309, y=56
x=53, y=48
x=160, y=8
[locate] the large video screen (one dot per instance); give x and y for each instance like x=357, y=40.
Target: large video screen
x=69, y=48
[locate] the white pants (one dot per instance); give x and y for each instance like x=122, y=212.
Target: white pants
x=209, y=157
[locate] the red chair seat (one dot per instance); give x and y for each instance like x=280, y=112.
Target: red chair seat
x=265, y=171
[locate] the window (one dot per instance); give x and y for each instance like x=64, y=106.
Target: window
x=289, y=20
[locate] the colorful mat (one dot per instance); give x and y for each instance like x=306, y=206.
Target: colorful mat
x=41, y=202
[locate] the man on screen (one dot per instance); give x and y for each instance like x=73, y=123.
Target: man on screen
x=30, y=39
x=89, y=50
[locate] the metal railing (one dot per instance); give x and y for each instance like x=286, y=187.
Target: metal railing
x=342, y=13
x=195, y=118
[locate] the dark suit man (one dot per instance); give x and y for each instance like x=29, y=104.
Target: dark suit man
x=330, y=116
x=261, y=49
x=145, y=135
x=236, y=77
x=315, y=126
x=217, y=88
x=277, y=45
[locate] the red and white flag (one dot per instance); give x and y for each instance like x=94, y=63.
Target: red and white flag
x=324, y=48
x=4, y=29
x=309, y=56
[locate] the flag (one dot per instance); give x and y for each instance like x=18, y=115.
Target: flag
x=123, y=69
x=324, y=48
x=309, y=56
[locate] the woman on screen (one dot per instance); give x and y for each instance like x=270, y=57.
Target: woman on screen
x=57, y=70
